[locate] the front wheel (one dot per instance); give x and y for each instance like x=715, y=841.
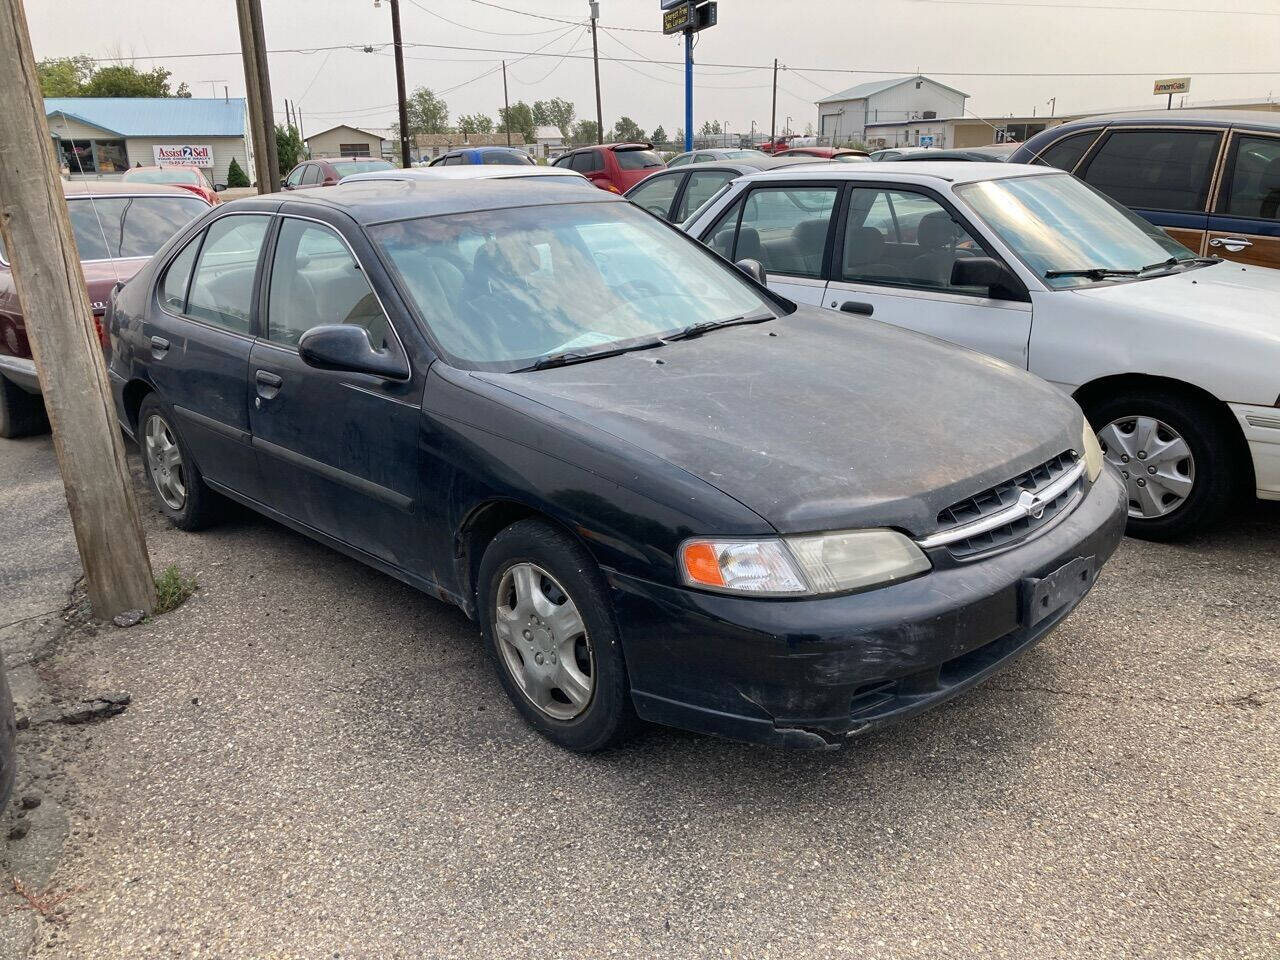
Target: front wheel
x=546, y=621
x=1179, y=468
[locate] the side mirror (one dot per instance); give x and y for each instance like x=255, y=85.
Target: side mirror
x=754, y=269
x=986, y=272
x=219, y=187
x=346, y=347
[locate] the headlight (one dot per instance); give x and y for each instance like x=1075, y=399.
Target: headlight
x=798, y=566
x=1092, y=452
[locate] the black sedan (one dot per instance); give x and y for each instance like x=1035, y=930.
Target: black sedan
x=661, y=490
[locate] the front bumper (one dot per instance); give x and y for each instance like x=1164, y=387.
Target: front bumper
x=1261, y=426
x=813, y=672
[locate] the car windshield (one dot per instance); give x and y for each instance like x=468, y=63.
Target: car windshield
x=1057, y=223
x=345, y=168
x=637, y=159
x=162, y=176
x=743, y=155
x=107, y=228
x=500, y=289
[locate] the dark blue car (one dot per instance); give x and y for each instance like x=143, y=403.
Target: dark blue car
x=480, y=155
x=1210, y=178
x=663, y=491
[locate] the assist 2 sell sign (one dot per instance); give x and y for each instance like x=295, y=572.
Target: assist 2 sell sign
x=183, y=155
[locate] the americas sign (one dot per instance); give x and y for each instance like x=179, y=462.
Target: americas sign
x=183, y=155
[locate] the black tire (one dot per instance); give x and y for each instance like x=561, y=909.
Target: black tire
x=21, y=413
x=609, y=716
x=201, y=506
x=1209, y=435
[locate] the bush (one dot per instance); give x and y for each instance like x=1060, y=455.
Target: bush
x=236, y=176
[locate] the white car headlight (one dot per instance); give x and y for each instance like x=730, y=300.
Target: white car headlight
x=1092, y=452
x=798, y=566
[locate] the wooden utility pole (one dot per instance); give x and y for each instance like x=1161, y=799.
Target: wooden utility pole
x=506, y=113
x=595, y=57
x=257, y=82
x=406, y=160
x=773, y=113
x=73, y=375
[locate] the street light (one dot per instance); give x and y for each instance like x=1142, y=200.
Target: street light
x=725, y=128
x=753, y=133
x=788, y=126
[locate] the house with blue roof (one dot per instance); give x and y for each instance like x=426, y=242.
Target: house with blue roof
x=104, y=136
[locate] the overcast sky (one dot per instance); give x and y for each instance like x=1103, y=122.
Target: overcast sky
x=952, y=40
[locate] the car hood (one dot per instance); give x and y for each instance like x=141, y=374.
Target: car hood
x=819, y=420
x=1229, y=295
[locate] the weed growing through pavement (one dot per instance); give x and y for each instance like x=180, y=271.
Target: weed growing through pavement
x=172, y=589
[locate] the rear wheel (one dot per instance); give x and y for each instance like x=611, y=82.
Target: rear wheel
x=1173, y=452
x=171, y=472
x=546, y=621
x=21, y=413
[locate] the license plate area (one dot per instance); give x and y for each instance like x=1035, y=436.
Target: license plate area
x=1042, y=597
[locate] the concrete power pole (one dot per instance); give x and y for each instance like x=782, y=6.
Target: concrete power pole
x=262, y=121
x=73, y=375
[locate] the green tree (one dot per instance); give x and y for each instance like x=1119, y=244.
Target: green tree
x=711, y=128
x=427, y=113
x=126, y=80
x=475, y=123
x=627, y=130
x=520, y=117
x=288, y=148
x=659, y=135
x=679, y=137
x=64, y=76
x=584, y=133
x=236, y=176
x=556, y=112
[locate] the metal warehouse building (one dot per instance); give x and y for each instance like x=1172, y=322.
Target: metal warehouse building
x=103, y=136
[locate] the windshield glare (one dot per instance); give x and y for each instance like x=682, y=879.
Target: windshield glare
x=501, y=288
x=163, y=176
x=1055, y=222
x=107, y=228
x=345, y=168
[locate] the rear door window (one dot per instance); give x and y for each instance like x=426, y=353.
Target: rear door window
x=1066, y=153
x=222, y=286
x=1252, y=179
x=785, y=228
x=588, y=161
x=703, y=185
x=1156, y=169
x=173, y=293
x=657, y=193
x=311, y=174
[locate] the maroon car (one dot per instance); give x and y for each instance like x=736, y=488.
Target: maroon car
x=327, y=173
x=117, y=227
x=616, y=167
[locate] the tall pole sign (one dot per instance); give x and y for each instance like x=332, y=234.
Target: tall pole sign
x=688, y=17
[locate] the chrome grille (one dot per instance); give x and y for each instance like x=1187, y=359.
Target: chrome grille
x=1005, y=514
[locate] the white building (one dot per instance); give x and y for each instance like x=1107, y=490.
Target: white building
x=845, y=116
x=104, y=136
x=345, y=140
x=547, y=142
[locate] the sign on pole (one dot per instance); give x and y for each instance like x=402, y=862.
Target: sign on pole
x=1172, y=86
x=678, y=19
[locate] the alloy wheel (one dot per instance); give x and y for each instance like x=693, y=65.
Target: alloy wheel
x=1155, y=461
x=544, y=641
x=164, y=462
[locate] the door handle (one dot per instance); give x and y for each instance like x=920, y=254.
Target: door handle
x=1231, y=244
x=857, y=306
x=268, y=384
x=159, y=347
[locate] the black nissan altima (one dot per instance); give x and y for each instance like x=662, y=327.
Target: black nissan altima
x=662, y=491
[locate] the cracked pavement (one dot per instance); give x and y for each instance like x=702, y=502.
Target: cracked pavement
x=319, y=762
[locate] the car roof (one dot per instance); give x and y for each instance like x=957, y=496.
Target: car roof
x=952, y=171
x=116, y=188
x=472, y=172
x=1206, y=118
x=380, y=200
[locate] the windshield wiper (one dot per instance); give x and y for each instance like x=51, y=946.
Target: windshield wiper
x=1092, y=273
x=582, y=356
x=698, y=329
x=1176, y=261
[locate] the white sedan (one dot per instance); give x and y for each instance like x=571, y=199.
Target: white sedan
x=1175, y=358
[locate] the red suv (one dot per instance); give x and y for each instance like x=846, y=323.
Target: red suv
x=616, y=167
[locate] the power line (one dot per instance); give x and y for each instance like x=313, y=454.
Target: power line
x=496, y=33
x=541, y=16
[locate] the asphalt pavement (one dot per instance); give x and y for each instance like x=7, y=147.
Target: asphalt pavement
x=319, y=762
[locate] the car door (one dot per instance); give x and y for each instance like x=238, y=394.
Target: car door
x=294, y=179
x=658, y=194
x=786, y=227
x=338, y=451
x=196, y=341
x=590, y=163
x=701, y=186
x=1161, y=173
x=893, y=261
x=1245, y=223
